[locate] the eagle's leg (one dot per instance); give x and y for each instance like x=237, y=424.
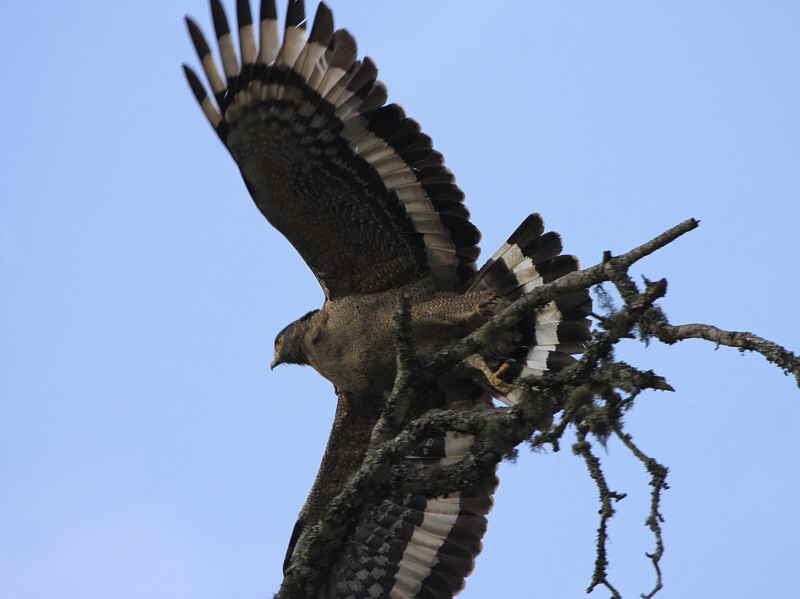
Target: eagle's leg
x=493, y=378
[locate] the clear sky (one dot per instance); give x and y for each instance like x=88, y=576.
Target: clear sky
x=146, y=450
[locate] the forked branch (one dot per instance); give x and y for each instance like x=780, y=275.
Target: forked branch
x=591, y=396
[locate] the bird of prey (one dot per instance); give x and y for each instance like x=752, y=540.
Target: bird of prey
x=366, y=200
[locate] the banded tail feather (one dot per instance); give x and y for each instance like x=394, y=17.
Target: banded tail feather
x=417, y=547
x=308, y=98
x=528, y=259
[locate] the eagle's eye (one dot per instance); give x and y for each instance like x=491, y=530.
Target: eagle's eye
x=278, y=344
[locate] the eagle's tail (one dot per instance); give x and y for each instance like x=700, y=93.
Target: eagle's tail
x=528, y=259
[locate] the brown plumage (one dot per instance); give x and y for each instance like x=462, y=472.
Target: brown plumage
x=359, y=191
x=351, y=340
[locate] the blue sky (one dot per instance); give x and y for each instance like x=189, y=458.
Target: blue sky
x=146, y=450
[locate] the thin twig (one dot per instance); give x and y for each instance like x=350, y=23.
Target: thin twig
x=626, y=377
x=774, y=353
x=584, y=449
x=658, y=482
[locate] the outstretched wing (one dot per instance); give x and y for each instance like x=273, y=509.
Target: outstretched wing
x=403, y=546
x=355, y=417
x=413, y=546
x=352, y=183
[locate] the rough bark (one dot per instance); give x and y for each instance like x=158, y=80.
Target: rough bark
x=591, y=396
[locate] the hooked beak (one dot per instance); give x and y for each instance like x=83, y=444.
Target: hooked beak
x=274, y=363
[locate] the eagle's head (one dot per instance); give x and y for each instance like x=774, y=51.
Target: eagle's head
x=289, y=342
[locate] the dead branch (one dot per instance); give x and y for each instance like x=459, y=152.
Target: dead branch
x=585, y=395
x=658, y=482
x=774, y=353
x=584, y=449
x=406, y=379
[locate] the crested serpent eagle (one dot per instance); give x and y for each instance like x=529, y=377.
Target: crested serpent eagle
x=366, y=200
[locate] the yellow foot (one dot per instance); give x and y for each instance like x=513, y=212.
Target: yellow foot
x=493, y=377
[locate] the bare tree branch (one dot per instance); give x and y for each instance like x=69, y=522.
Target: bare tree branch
x=586, y=395
x=773, y=352
x=584, y=449
x=658, y=482
x=406, y=380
